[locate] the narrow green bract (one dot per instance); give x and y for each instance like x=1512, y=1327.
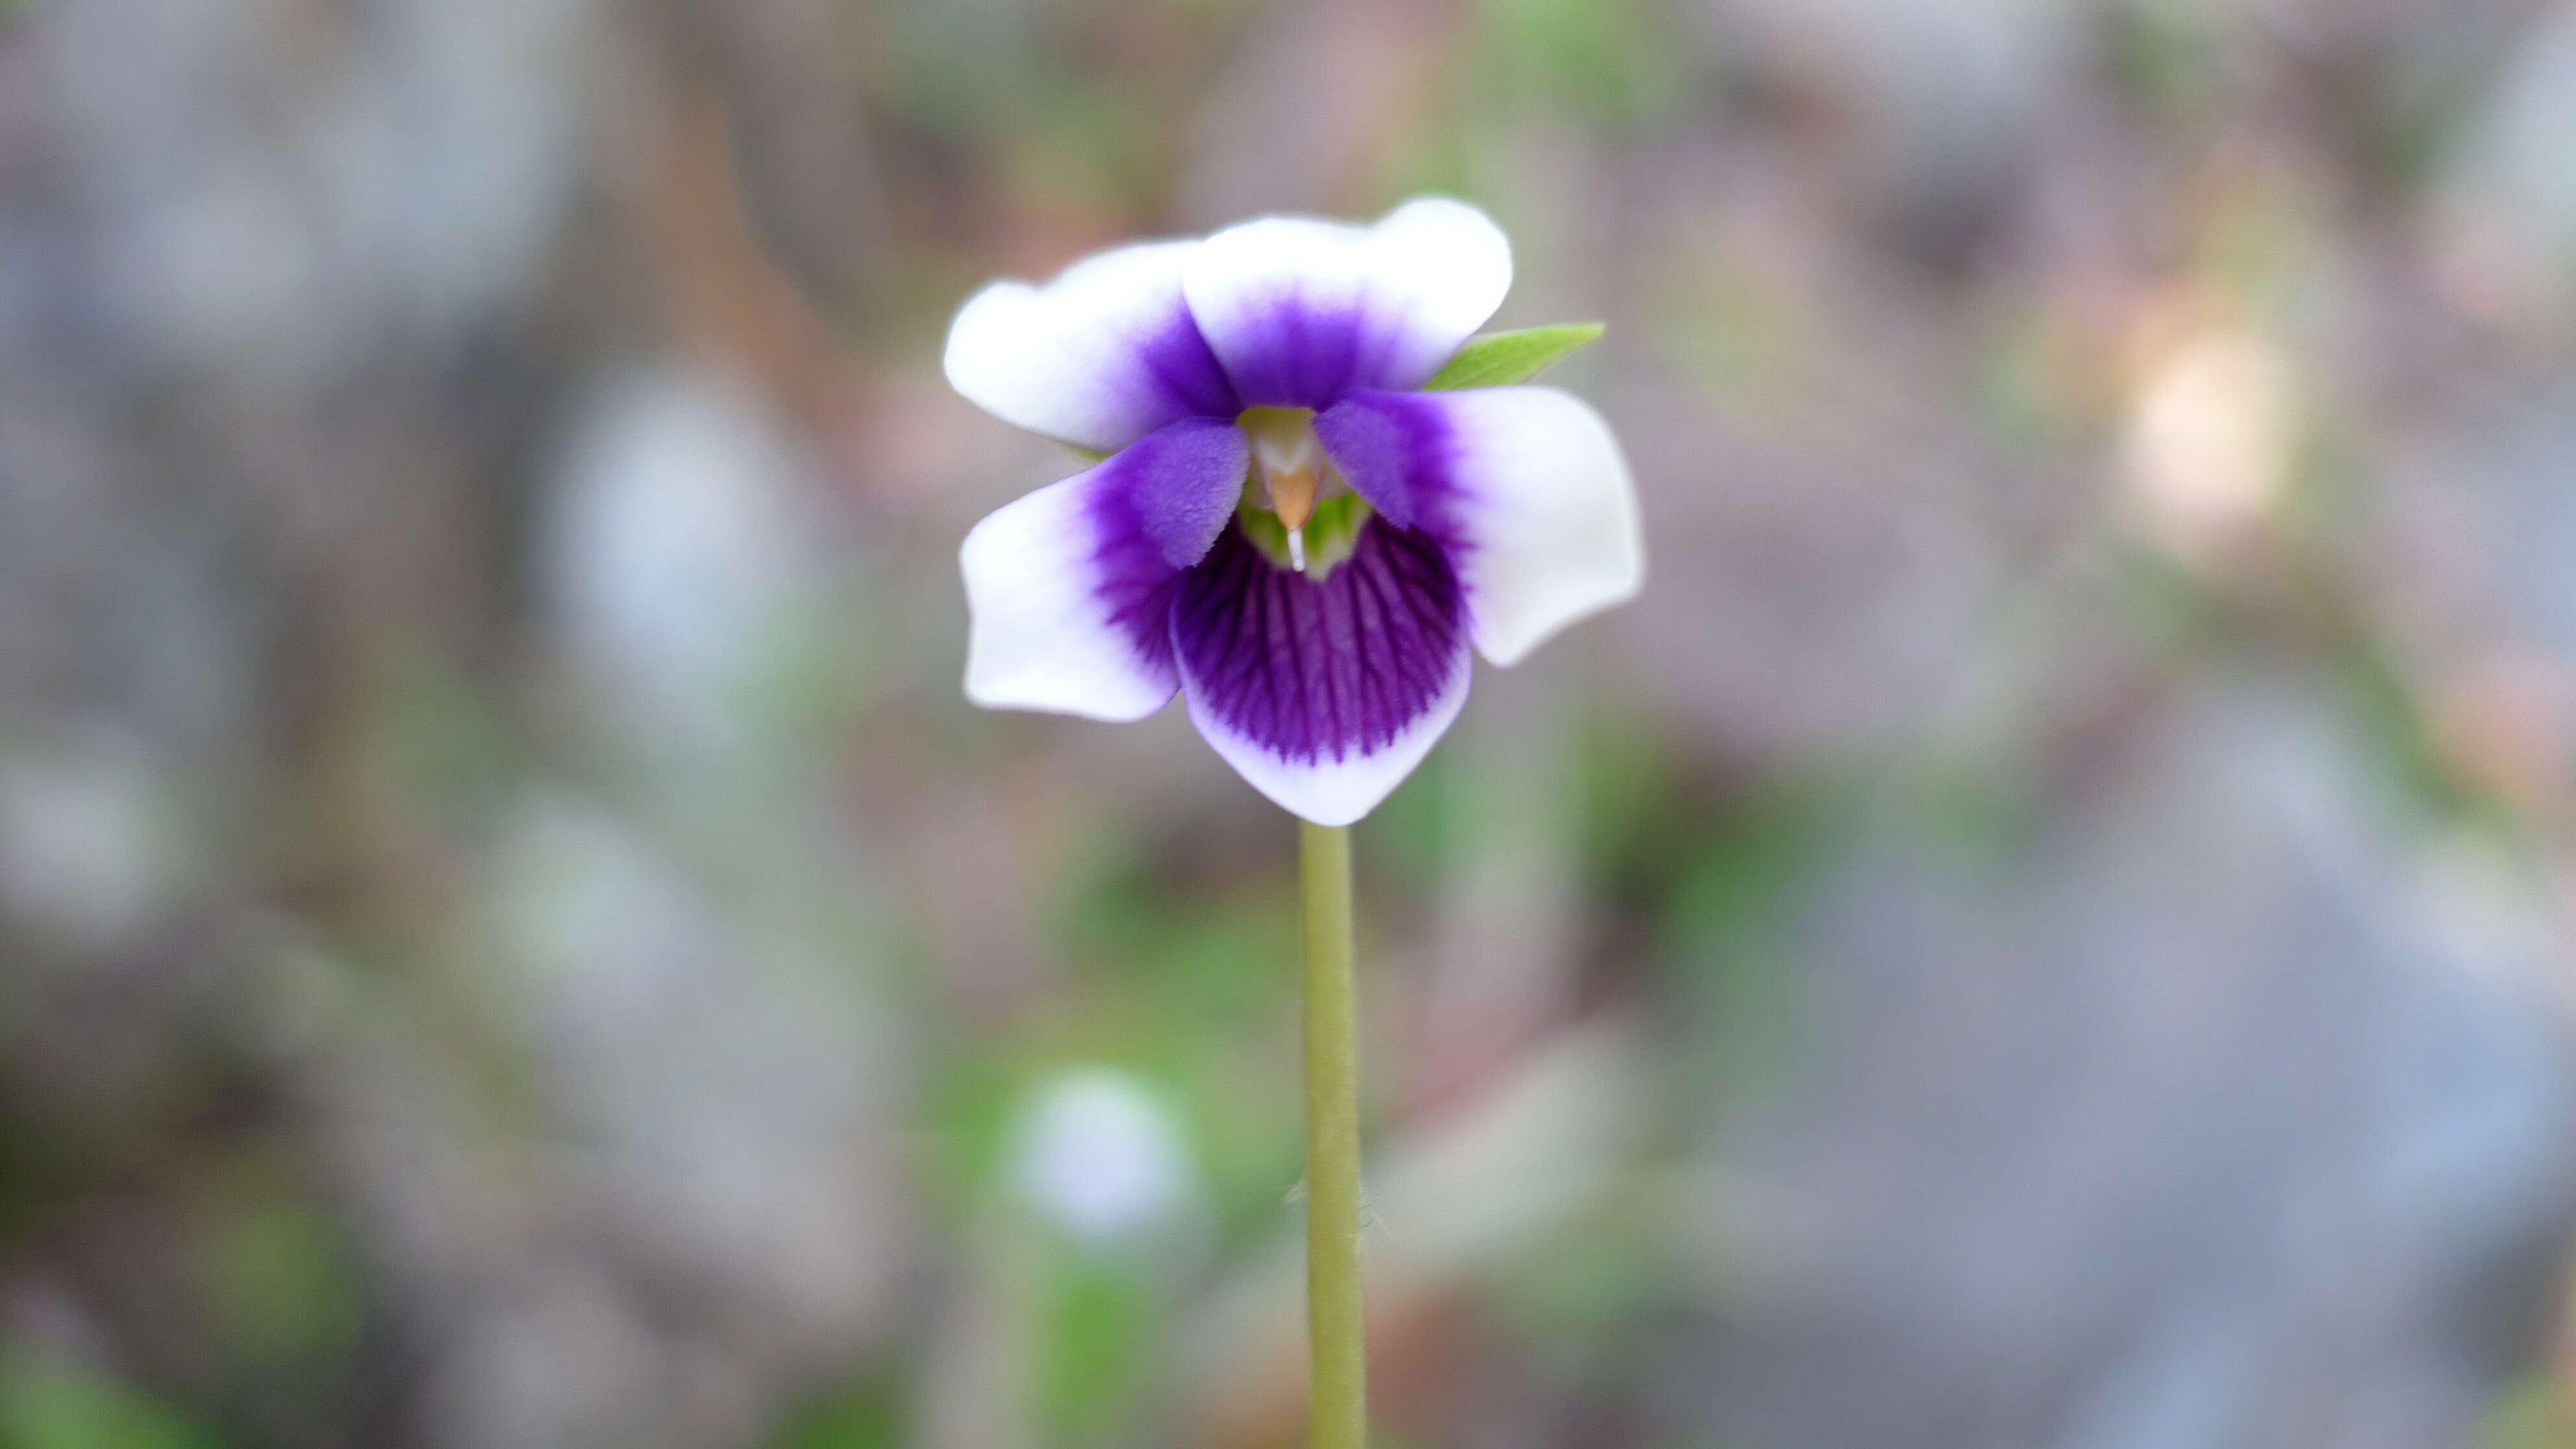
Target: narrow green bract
x=1499, y=359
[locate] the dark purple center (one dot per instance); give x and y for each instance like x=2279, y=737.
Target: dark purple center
x=1320, y=669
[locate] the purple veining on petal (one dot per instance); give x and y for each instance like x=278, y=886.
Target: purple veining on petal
x=1397, y=451
x=1316, y=671
x=1176, y=359
x=1155, y=508
x=1294, y=351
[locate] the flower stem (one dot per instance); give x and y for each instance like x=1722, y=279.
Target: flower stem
x=1336, y=1336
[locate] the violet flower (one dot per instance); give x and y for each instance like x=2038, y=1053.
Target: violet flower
x=1287, y=531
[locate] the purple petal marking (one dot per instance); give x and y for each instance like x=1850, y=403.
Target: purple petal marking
x=1397, y=452
x=1103, y=354
x=1300, y=310
x=1156, y=508
x=1298, y=351
x=1070, y=587
x=1523, y=488
x=1176, y=359
x=1320, y=672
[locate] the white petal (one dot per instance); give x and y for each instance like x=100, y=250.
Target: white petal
x=1069, y=588
x=1334, y=791
x=1300, y=309
x=1039, y=639
x=1101, y=356
x=1525, y=487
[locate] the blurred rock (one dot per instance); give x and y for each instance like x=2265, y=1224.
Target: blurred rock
x=557, y=1358
x=276, y=196
x=93, y=846
x=2504, y=196
x=678, y=560
x=1929, y=106
x=2489, y=487
x=2236, y=1113
x=1826, y=584
x=1306, y=100
x=723, y=1093
x=2471, y=568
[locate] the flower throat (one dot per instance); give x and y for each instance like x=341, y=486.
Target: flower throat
x=1297, y=508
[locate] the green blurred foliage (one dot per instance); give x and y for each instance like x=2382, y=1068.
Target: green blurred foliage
x=1608, y=61
x=1103, y=1330
x=864, y=1415
x=48, y=1403
x=277, y=1275
x=1732, y=905
x=1589, y=1298
x=2534, y=1415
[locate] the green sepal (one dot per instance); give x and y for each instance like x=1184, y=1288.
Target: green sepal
x=1499, y=359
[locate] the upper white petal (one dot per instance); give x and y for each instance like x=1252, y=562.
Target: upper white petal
x=1101, y=356
x=1419, y=282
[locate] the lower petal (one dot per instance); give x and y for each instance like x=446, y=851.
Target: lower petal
x=1070, y=588
x=1323, y=693
x=1523, y=486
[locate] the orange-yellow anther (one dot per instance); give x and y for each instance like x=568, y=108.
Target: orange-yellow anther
x=1288, y=459
x=1292, y=496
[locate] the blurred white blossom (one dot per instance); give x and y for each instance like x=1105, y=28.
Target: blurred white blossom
x=1102, y=1157
x=2211, y=441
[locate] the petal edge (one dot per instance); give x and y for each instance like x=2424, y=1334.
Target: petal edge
x=1524, y=486
x=1100, y=356
x=1069, y=588
x=1324, y=695
x=1299, y=309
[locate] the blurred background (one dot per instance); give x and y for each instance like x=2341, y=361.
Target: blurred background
x=2047, y=925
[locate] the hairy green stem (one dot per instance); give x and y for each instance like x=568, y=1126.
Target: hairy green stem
x=1336, y=1334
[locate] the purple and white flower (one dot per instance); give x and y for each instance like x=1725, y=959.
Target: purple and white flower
x=1288, y=531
